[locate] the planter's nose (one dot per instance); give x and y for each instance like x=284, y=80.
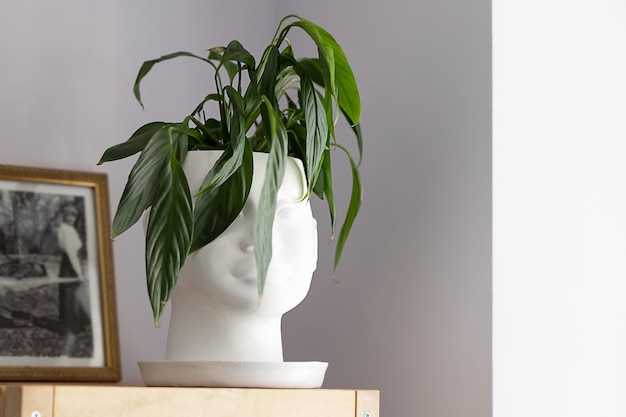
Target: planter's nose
x=243, y=227
x=246, y=242
x=246, y=245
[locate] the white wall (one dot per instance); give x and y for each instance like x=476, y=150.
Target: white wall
x=559, y=208
x=412, y=313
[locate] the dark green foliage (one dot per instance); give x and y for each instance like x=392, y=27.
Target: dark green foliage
x=281, y=105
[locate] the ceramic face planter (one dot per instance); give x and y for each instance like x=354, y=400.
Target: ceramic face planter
x=216, y=313
x=220, y=333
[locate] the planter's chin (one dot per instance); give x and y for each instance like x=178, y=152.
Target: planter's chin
x=216, y=312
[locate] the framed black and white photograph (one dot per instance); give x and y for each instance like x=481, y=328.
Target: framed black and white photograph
x=57, y=297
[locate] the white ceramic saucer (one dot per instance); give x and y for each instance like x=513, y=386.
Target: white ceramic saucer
x=233, y=374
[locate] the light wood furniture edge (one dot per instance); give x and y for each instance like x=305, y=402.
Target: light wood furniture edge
x=70, y=400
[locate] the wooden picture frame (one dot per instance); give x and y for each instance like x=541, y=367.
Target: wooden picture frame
x=58, y=319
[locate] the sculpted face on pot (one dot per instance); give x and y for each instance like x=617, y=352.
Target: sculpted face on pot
x=224, y=274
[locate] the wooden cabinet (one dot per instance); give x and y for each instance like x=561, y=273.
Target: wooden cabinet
x=68, y=400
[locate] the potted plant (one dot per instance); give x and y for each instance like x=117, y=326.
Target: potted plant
x=281, y=105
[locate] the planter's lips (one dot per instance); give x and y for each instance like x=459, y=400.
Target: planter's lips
x=246, y=271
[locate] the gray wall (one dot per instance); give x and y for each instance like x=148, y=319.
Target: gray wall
x=411, y=313
x=66, y=75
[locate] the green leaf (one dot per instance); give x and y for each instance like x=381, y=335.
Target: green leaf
x=357, y=131
x=231, y=159
x=340, y=72
x=216, y=209
x=147, y=66
x=200, y=106
x=268, y=76
x=252, y=101
x=226, y=165
x=142, y=188
x=237, y=121
x=297, y=134
x=356, y=128
x=347, y=89
x=313, y=68
x=353, y=210
x=328, y=191
x=325, y=45
x=318, y=188
x=211, y=134
x=169, y=231
x=136, y=143
x=236, y=52
x=330, y=111
x=232, y=70
x=192, y=133
x=215, y=53
x=275, y=172
x=317, y=129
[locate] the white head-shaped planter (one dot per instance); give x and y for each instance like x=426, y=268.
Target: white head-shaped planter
x=216, y=313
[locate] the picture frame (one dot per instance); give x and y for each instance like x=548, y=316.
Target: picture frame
x=58, y=317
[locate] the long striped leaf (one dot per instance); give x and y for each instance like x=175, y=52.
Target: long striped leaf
x=147, y=66
x=230, y=160
x=274, y=174
x=169, y=231
x=236, y=52
x=267, y=83
x=142, y=188
x=328, y=191
x=317, y=129
x=353, y=210
x=136, y=143
x=340, y=72
x=356, y=128
x=216, y=209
